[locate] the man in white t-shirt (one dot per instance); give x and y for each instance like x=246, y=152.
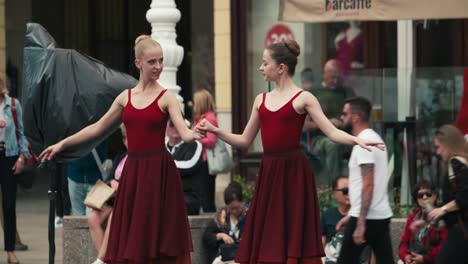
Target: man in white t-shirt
x=368, y=220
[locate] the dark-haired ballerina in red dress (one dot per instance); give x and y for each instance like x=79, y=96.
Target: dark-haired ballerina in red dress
x=149, y=223
x=283, y=221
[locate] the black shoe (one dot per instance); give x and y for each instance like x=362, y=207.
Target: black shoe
x=21, y=247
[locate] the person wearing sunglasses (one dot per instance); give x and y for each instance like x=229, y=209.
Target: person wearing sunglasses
x=422, y=245
x=332, y=216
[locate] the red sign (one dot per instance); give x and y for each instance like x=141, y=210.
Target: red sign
x=278, y=33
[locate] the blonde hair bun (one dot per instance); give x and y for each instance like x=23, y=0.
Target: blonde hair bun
x=141, y=38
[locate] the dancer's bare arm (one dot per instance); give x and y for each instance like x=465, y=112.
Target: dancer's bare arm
x=248, y=135
x=110, y=118
x=313, y=108
x=173, y=107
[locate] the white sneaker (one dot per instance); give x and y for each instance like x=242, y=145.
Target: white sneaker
x=98, y=261
x=58, y=222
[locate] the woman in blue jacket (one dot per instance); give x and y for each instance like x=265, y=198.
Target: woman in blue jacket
x=13, y=152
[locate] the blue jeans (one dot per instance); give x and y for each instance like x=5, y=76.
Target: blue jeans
x=78, y=192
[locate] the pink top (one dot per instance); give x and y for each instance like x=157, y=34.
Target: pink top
x=210, y=140
x=118, y=170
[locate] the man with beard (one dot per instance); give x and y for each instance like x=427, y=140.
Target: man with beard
x=368, y=220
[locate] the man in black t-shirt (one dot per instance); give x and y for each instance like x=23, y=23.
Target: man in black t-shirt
x=332, y=216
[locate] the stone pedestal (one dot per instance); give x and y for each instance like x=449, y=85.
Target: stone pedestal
x=77, y=245
x=163, y=16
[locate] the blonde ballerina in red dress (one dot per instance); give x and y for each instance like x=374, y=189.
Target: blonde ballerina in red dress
x=283, y=221
x=149, y=223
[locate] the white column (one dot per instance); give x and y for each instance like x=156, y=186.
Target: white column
x=405, y=38
x=163, y=16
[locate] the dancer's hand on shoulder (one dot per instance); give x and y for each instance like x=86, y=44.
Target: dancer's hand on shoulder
x=366, y=144
x=50, y=152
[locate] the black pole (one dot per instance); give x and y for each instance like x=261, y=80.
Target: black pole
x=411, y=148
x=52, y=193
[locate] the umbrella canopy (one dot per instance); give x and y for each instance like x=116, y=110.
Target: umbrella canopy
x=343, y=10
x=64, y=91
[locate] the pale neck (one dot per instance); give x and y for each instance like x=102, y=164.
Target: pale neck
x=284, y=83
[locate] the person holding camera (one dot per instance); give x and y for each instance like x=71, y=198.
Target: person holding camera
x=222, y=235
x=422, y=245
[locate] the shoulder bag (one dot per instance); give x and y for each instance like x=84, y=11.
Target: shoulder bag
x=219, y=160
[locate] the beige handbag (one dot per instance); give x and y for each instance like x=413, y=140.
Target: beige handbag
x=98, y=195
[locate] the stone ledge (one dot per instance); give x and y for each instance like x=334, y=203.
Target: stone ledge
x=79, y=249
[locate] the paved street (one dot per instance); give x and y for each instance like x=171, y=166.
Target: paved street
x=32, y=215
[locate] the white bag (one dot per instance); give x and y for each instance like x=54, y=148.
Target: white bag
x=219, y=160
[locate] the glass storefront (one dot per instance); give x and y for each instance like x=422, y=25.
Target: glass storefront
x=368, y=54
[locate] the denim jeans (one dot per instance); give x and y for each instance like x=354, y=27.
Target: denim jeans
x=78, y=192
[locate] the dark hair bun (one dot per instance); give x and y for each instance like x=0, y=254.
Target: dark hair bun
x=293, y=47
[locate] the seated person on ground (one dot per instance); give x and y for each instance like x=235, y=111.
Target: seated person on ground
x=421, y=241
x=223, y=233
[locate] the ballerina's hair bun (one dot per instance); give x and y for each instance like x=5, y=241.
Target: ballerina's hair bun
x=286, y=53
x=143, y=42
x=293, y=47
x=141, y=38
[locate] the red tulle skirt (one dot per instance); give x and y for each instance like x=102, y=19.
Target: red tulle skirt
x=283, y=222
x=149, y=223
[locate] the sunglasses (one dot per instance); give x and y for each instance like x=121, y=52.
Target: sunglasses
x=421, y=195
x=345, y=191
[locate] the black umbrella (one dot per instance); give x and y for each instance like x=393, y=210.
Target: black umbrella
x=64, y=91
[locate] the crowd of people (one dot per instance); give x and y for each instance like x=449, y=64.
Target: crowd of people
x=163, y=176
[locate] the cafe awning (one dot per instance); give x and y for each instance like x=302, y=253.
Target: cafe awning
x=373, y=10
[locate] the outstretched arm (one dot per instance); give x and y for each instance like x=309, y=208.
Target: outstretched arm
x=111, y=117
x=313, y=108
x=240, y=141
x=177, y=119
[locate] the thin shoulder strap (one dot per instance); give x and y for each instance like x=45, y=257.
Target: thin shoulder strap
x=129, y=93
x=296, y=95
x=263, y=98
x=161, y=94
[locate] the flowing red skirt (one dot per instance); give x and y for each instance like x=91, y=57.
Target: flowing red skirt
x=149, y=223
x=283, y=222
